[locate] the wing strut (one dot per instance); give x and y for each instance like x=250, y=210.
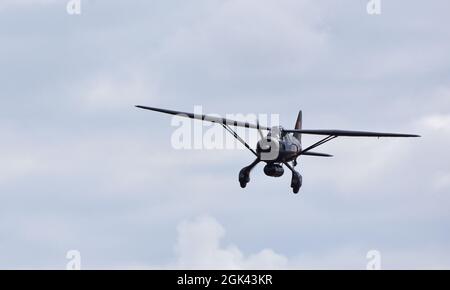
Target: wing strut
x=317, y=144
x=235, y=135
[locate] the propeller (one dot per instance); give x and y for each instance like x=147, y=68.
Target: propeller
x=259, y=129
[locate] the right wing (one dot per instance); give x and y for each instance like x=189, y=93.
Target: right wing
x=222, y=121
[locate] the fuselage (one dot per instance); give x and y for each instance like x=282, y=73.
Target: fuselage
x=278, y=147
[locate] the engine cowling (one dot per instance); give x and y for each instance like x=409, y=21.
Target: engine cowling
x=274, y=170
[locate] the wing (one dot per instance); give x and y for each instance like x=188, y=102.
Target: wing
x=346, y=133
x=207, y=118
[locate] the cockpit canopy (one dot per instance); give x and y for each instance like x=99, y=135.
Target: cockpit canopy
x=275, y=132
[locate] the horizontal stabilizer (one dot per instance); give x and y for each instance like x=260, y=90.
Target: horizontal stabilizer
x=309, y=153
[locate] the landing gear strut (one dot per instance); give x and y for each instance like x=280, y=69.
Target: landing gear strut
x=244, y=174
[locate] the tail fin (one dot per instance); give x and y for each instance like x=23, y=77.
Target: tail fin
x=298, y=125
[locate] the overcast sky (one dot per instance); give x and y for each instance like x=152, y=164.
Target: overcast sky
x=82, y=169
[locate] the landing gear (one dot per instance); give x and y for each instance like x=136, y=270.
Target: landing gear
x=244, y=174
x=296, y=181
x=244, y=177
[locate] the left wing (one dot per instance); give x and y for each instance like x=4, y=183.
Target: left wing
x=347, y=133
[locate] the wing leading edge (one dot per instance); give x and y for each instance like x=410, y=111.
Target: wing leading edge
x=213, y=119
x=346, y=133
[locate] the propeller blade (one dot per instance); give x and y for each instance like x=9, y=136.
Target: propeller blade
x=259, y=129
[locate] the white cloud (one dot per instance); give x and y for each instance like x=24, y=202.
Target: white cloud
x=437, y=122
x=17, y=159
x=247, y=39
x=442, y=181
x=11, y=3
x=199, y=247
x=13, y=167
x=367, y=161
x=115, y=92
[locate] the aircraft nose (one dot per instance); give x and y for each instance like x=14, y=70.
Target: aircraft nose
x=266, y=144
x=268, y=150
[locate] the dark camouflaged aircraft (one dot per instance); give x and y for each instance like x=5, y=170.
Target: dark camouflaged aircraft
x=280, y=146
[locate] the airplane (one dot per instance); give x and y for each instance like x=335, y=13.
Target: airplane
x=280, y=146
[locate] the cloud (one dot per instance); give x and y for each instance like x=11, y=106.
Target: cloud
x=17, y=161
x=245, y=44
x=438, y=122
x=199, y=246
x=13, y=167
x=442, y=181
x=79, y=157
x=12, y=3
x=109, y=92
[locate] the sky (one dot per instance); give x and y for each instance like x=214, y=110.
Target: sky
x=82, y=169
